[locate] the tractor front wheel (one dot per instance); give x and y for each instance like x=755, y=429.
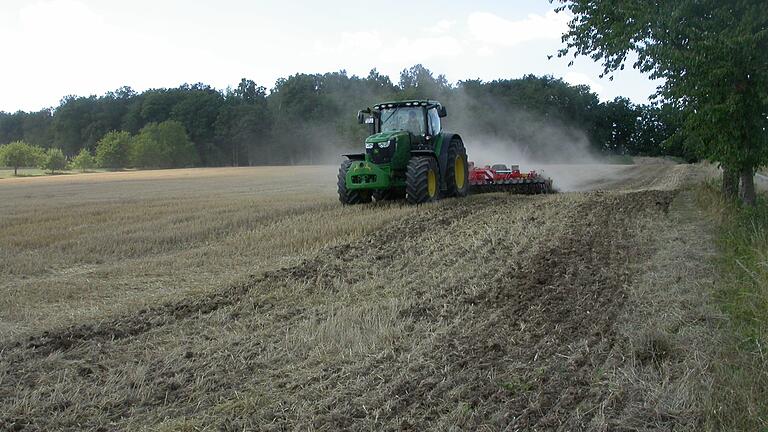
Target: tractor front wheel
x=422, y=180
x=346, y=196
x=457, y=172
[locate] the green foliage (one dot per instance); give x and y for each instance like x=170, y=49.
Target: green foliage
x=241, y=131
x=163, y=145
x=310, y=118
x=74, y=124
x=53, y=160
x=19, y=154
x=418, y=82
x=622, y=114
x=112, y=150
x=710, y=54
x=84, y=161
x=33, y=128
x=197, y=112
x=741, y=399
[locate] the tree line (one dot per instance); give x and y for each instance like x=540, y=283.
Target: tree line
x=157, y=145
x=310, y=118
x=20, y=154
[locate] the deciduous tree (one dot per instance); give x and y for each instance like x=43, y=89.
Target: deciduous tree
x=19, y=154
x=53, y=160
x=84, y=161
x=112, y=150
x=711, y=55
x=163, y=145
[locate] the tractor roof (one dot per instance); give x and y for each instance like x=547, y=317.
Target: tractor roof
x=406, y=103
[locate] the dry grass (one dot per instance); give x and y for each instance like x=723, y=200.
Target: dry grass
x=660, y=374
x=303, y=330
x=6, y=173
x=695, y=326
x=85, y=247
x=248, y=299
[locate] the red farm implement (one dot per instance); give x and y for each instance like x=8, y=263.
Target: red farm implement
x=500, y=178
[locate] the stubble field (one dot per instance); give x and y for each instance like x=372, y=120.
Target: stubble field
x=250, y=299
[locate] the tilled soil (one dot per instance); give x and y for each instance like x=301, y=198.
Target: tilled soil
x=495, y=312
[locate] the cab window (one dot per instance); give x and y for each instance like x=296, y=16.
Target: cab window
x=434, y=122
x=403, y=118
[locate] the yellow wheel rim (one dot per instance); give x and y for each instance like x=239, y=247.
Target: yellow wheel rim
x=459, y=174
x=431, y=183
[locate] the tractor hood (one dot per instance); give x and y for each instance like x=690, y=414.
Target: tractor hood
x=384, y=136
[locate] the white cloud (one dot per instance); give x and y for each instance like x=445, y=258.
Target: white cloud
x=578, y=78
x=442, y=26
x=365, y=41
x=83, y=47
x=388, y=51
x=492, y=29
x=410, y=50
x=484, y=51
x=58, y=18
x=67, y=47
x=53, y=41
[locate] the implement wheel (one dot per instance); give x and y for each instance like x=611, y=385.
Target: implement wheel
x=457, y=172
x=422, y=180
x=350, y=197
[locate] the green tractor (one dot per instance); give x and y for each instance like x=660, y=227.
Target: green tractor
x=407, y=155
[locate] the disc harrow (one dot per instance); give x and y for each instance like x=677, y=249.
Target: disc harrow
x=500, y=178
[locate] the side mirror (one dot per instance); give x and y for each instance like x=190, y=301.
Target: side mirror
x=441, y=111
x=360, y=117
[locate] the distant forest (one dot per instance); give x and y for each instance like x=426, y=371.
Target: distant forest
x=310, y=118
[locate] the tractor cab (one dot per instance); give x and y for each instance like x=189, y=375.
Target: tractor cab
x=419, y=118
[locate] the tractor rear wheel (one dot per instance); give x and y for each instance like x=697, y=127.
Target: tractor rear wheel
x=347, y=196
x=457, y=172
x=422, y=180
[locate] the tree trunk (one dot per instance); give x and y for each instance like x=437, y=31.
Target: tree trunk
x=747, y=194
x=730, y=183
x=15, y=171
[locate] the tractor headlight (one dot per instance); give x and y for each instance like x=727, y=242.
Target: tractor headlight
x=368, y=145
x=386, y=144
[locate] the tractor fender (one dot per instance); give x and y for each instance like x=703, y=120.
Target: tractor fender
x=355, y=156
x=428, y=153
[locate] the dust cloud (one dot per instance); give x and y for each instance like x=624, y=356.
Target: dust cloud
x=570, y=164
x=496, y=134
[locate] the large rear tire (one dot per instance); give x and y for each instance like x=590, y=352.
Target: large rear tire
x=457, y=172
x=422, y=180
x=346, y=196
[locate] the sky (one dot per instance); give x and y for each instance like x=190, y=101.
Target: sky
x=55, y=48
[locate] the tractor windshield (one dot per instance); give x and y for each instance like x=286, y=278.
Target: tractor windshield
x=409, y=119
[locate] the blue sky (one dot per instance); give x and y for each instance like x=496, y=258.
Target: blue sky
x=53, y=48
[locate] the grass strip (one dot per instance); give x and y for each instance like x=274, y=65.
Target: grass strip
x=740, y=397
